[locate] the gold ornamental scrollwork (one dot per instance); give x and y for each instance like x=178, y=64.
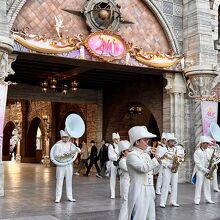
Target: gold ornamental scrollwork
x=103, y=45
x=154, y=59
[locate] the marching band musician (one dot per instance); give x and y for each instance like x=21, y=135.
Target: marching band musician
x=113, y=154
x=63, y=148
x=124, y=179
x=170, y=172
x=202, y=157
x=215, y=146
x=160, y=175
x=141, y=195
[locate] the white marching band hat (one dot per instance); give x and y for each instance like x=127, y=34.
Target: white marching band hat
x=170, y=136
x=204, y=139
x=123, y=145
x=164, y=136
x=115, y=135
x=63, y=133
x=138, y=132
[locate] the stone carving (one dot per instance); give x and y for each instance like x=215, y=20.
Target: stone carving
x=5, y=64
x=170, y=78
x=200, y=86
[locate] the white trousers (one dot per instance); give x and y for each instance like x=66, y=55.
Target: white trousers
x=202, y=182
x=159, y=181
x=169, y=178
x=124, y=181
x=61, y=172
x=144, y=208
x=113, y=173
x=215, y=180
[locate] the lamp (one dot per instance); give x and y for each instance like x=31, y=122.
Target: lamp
x=53, y=84
x=45, y=118
x=135, y=110
x=74, y=86
x=62, y=85
x=44, y=86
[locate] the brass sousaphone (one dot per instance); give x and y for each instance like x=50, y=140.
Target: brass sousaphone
x=75, y=127
x=215, y=131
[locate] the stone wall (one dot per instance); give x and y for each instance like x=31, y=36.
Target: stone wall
x=173, y=11
x=118, y=100
x=146, y=31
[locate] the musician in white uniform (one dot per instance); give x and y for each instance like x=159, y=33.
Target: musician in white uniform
x=62, y=149
x=113, y=154
x=160, y=147
x=169, y=175
x=202, y=156
x=124, y=179
x=141, y=196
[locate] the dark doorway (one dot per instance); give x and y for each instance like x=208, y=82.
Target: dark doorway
x=30, y=148
x=9, y=127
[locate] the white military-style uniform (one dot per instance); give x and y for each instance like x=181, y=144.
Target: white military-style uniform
x=125, y=182
x=201, y=159
x=169, y=178
x=141, y=195
x=113, y=155
x=66, y=171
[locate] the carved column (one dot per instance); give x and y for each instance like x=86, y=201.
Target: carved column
x=6, y=45
x=200, y=84
x=47, y=126
x=6, y=48
x=201, y=57
x=176, y=89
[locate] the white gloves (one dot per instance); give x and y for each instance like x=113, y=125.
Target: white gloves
x=205, y=170
x=78, y=150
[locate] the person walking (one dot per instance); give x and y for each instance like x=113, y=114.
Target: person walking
x=93, y=160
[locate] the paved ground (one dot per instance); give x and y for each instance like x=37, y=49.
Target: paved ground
x=29, y=195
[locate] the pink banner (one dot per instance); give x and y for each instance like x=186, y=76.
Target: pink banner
x=209, y=115
x=3, y=98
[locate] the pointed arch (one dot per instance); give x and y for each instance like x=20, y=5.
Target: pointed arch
x=165, y=25
x=7, y=133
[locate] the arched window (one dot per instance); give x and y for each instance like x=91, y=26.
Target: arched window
x=39, y=140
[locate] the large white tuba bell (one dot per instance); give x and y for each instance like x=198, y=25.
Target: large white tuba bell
x=215, y=131
x=75, y=127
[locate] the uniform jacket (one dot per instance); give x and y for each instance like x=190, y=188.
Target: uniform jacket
x=140, y=169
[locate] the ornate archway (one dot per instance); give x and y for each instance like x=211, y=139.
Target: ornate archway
x=129, y=119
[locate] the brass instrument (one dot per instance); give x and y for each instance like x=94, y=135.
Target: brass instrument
x=175, y=164
x=177, y=159
x=211, y=167
x=66, y=156
x=154, y=147
x=75, y=127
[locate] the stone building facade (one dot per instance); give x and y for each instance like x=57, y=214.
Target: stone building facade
x=171, y=102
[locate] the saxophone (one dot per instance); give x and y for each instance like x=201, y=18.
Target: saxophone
x=211, y=167
x=175, y=164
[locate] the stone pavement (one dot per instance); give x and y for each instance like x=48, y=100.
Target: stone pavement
x=30, y=190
